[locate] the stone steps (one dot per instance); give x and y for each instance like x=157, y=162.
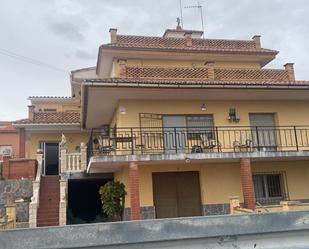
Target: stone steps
x=48, y=212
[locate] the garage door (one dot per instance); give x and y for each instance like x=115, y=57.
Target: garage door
x=176, y=194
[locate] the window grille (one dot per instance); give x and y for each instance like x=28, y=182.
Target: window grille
x=269, y=188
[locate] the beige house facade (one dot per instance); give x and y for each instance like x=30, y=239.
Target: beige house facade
x=184, y=122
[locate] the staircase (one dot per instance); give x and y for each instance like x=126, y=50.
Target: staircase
x=48, y=211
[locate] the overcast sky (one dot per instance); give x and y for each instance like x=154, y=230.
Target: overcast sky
x=66, y=34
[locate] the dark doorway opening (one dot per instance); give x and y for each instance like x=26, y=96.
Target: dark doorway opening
x=51, y=158
x=84, y=203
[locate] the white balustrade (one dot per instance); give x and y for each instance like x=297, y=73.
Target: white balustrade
x=63, y=202
x=73, y=162
x=34, y=204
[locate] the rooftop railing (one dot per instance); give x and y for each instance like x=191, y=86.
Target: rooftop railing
x=220, y=139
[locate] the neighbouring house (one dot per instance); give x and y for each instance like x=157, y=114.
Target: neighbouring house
x=16, y=175
x=184, y=122
x=12, y=142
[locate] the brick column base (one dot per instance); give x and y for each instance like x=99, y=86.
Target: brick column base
x=134, y=191
x=247, y=183
x=6, y=167
x=22, y=143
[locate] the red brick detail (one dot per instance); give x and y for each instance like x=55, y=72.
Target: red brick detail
x=22, y=143
x=188, y=39
x=113, y=35
x=48, y=212
x=18, y=168
x=247, y=183
x=123, y=69
x=211, y=70
x=289, y=67
x=6, y=167
x=134, y=190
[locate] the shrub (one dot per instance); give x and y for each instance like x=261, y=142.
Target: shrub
x=112, y=199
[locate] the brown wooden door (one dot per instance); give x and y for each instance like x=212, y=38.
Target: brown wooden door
x=176, y=194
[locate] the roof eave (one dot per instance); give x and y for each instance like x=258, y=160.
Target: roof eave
x=188, y=84
x=186, y=50
x=48, y=126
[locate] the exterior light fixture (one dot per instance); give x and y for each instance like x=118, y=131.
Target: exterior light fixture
x=203, y=107
x=122, y=110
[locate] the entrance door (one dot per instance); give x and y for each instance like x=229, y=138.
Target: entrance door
x=176, y=194
x=51, y=158
x=174, y=134
x=264, y=130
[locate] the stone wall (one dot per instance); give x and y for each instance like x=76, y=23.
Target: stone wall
x=12, y=190
x=215, y=209
x=284, y=230
x=210, y=209
x=147, y=213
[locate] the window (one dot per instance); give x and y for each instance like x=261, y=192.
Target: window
x=5, y=150
x=269, y=187
x=264, y=131
x=200, y=127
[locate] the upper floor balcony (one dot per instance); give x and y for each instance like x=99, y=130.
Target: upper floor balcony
x=197, y=140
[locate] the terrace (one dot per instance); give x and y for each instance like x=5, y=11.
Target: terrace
x=108, y=141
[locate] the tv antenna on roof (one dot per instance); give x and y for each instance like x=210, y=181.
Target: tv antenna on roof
x=200, y=7
x=181, y=16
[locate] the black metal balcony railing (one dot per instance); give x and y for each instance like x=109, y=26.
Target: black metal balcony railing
x=172, y=140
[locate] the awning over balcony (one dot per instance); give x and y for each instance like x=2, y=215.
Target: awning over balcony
x=100, y=98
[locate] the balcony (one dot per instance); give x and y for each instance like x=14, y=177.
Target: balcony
x=197, y=140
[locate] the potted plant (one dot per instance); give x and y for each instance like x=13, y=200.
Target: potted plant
x=113, y=198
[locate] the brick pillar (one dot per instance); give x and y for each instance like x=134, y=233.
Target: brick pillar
x=22, y=143
x=289, y=67
x=211, y=69
x=122, y=68
x=113, y=35
x=134, y=190
x=83, y=156
x=257, y=41
x=188, y=36
x=247, y=183
x=6, y=167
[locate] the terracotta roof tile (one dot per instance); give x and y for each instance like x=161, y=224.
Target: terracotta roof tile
x=248, y=75
x=6, y=126
x=155, y=82
x=149, y=42
x=52, y=118
x=50, y=97
x=198, y=74
x=167, y=73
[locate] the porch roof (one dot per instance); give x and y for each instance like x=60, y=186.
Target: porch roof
x=99, y=98
x=107, y=164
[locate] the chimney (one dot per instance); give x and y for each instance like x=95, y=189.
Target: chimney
x=113, y=34
x=289, y=67
x=122, y=68
x=31, y=112
x=257, y=41
x=188, y=36
x=210, y=65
